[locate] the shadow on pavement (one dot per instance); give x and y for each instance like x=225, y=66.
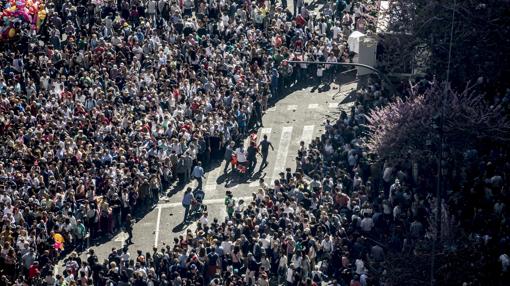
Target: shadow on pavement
x=350, y=98
x=180, y=227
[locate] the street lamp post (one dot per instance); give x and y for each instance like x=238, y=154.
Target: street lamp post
x=379, y=73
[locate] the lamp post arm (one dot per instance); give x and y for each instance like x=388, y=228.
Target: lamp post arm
x=379, y=73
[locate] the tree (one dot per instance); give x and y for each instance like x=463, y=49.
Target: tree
x=480, y=42
x=410, y=126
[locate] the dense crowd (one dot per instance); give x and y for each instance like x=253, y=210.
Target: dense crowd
x=111, y=102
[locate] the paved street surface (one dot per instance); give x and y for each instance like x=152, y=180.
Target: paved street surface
x=298, y=116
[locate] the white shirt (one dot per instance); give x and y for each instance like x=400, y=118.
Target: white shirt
x=151, y=7
x=326, y=245
x=360, y=266
x=505, y=262
x=290, y=275
x=336, y=31
x=204, y=221
x=227, y=247
x=283, y=262
x=241, y=155
x=367, y=224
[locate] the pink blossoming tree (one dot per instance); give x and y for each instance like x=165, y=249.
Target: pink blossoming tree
x=410, y=126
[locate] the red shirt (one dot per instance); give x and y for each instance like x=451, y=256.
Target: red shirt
x=300, y=21
x=33, y=271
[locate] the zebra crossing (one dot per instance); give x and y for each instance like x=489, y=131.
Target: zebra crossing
x=330, y=105
x=282, y=151
x=313, y=106
x=289, y=139
x=287, y=142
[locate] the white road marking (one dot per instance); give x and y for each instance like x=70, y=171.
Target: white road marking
x=307, y=135
x=210, y=188
x=156, y=235
x=121, y=237
x=333, y=105
x=265, y=131
x=292, y=107
x=207, y=202
x=283, y=149
x=313, y=106
x=212, y=176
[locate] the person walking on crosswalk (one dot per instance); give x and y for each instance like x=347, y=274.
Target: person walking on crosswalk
x=264, y=150
x=252, y=157
x=229, y=151
x=186, y=203
x=198, y=174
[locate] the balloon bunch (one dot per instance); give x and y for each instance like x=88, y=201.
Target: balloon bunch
x=13, y=13
x=59, y=241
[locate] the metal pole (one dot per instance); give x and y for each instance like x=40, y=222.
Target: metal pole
x=379, y=73
x=437, y=240
x=438, y=203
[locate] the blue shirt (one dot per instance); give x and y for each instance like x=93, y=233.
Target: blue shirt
x=186, y=200
x=198, y=172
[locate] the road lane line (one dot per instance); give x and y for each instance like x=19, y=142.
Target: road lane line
x=212, y=176
x=307, y=135
x=264, y=131
x=313, y=106
x=333, y=105
x=283, y=149
x=156, y=235
x=291, y=107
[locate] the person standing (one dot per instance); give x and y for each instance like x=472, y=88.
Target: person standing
x=130, y=222
x=297, y=6
x=264, y=150
x=284, y=4
x=151, y=11
x=186, y=202
x=241, y=156
x=229, y=203
x=188, y=164
x=229, y=151
x=252, y=157
x=80, y=233
x=198, y=174
x=257, y=114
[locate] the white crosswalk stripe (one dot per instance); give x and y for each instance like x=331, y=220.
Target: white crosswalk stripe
x=307, y=135
x=210, y=182
x=254, y=184
x=283, y=149
x=292, y=107
x=313, y=106
x=265, y=131
x=246, y=142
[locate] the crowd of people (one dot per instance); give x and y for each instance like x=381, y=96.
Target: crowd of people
x=109, y=103
x=114, y=101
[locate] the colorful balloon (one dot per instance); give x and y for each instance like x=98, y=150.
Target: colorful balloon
x=12, y=33
x=58, y=246
x=58, y=237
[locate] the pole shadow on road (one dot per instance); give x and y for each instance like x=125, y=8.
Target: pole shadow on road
x=180, y=227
